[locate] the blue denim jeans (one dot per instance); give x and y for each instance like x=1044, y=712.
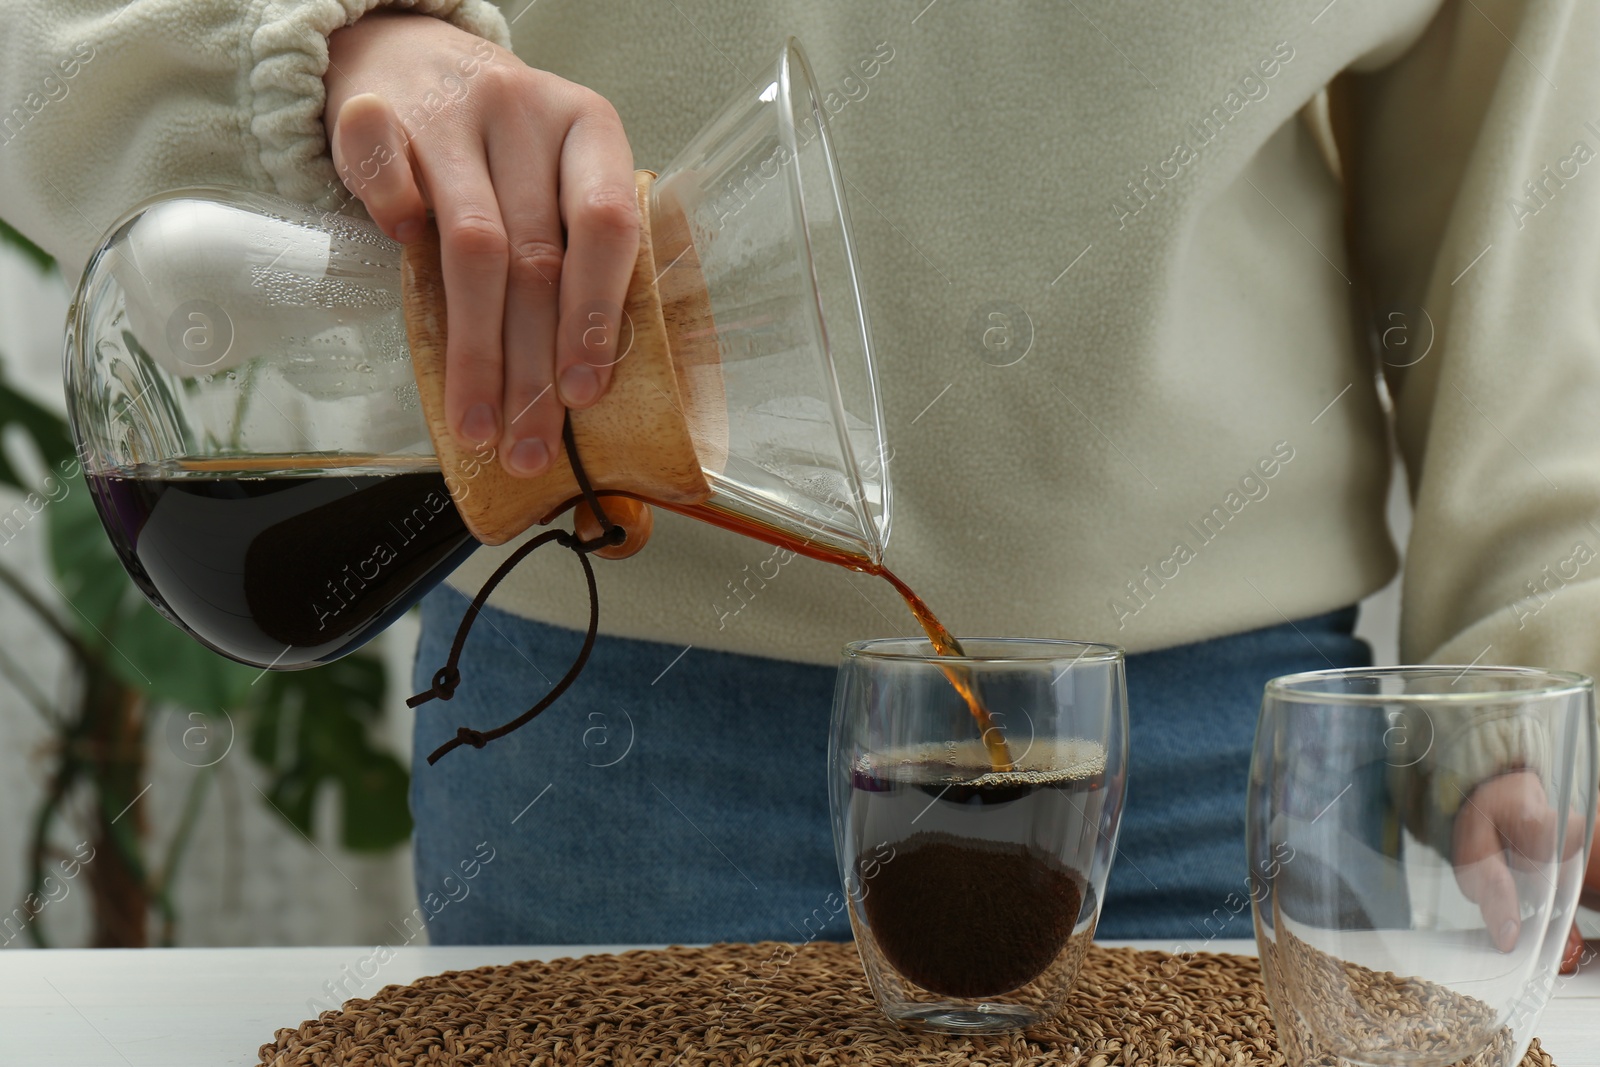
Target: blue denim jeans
x=676, y=796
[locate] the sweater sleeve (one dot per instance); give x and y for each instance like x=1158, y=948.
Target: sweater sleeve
x=1474, y=184
x=108, y=103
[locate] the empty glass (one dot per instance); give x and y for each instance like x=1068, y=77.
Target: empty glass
x=974, y=891
x=1417, y=839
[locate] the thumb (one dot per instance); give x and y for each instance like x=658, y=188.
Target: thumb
x=371, y=155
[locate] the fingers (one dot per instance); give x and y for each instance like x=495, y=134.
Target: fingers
x=1480, y=865
x=599, y=206
x=531, y=183
x=524, y=166
x=475, y=255
x=1529, y=830
x=1517, y=805
x=370, y=154
x=1572, y=955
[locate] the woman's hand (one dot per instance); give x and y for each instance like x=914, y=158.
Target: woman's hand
x=531, y=183
x=1507, y=822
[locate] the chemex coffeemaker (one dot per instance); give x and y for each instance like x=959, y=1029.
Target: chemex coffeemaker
x=256, y=388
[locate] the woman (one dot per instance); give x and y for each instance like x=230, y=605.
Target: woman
x=1190, y=458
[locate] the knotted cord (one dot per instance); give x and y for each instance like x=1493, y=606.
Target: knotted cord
x=447, y=678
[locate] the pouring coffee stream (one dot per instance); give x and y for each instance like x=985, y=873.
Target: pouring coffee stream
x=943, y=641
x=256, y=388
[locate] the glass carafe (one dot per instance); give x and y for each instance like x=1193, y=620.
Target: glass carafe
x=242, y=389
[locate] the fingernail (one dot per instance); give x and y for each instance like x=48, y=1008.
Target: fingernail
x=1508, y=934
x=480, y=424
x=408, y=231
x=580, y=385
x=529, y=457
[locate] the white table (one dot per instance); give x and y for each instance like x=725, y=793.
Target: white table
x=215, y=1007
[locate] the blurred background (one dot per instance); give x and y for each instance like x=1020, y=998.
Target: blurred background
x=223, y=806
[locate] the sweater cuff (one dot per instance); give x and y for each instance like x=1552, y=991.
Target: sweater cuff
x=288, y=55
x=1556, y=629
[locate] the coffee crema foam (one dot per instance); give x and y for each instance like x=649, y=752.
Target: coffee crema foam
x=1045, y=762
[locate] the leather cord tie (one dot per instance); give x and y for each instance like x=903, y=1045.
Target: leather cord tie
x=447, y=678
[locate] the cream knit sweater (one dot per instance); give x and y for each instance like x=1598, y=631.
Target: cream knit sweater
x=1195, y=442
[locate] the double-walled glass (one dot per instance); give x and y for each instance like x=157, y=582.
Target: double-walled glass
x=1417, y=840
x=974, y=891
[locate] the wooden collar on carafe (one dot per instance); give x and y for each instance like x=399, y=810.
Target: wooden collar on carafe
x=637, y=439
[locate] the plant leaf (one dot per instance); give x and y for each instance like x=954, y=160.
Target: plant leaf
x=10, y=235
x=313, y=730
x=88, y=573
x=376, y=814
x=45, y=428
x=173, y=667
x=294, y=795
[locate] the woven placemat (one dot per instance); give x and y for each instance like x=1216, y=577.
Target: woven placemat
x=771, y=1004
